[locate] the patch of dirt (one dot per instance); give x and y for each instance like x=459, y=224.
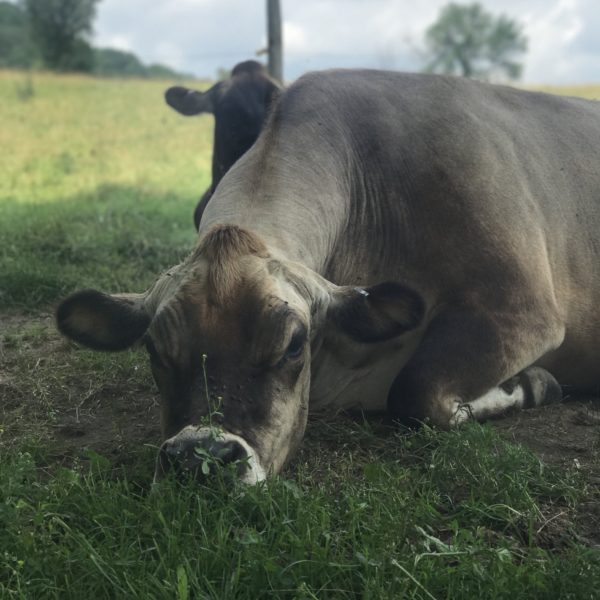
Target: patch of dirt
x=117, y=426
x=565, y=435
x=46, y=399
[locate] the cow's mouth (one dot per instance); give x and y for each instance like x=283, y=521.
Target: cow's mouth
x=203, y=452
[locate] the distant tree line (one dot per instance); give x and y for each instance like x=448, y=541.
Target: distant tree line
x=54, y=34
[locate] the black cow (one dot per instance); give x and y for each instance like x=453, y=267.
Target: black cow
x=240, y=105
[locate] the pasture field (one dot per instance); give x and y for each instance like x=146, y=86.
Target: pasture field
x=98, y=181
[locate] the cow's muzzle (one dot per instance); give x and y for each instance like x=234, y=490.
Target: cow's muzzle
x=200, y=453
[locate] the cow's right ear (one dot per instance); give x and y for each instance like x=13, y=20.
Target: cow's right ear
x=191, y=102
x=377, y=313
x=101, y=321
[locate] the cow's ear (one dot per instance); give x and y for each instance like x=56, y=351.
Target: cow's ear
x=191, y=102
x=377, y=313
x=101, y=321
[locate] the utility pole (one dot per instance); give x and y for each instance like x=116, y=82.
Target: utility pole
x=275, y=40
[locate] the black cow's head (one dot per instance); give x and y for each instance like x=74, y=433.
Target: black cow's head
x=240, y=106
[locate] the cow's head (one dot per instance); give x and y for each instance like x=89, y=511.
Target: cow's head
x=233, y=330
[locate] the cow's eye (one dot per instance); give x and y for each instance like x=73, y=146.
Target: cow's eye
x=296, y=346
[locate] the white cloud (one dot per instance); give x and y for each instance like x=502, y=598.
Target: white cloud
x=551, y=34
x=119, y=42
x=295, y=37
x=169, y=53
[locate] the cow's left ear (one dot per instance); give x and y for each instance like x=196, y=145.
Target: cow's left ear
x=376, y=313
x=101, y=321
x=191, y=102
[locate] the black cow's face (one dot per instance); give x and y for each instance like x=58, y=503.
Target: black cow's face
x=233, y=332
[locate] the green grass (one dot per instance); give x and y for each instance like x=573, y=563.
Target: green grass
x=116, y=238
x=97, y=190
x=97, y=187
x=423, y=515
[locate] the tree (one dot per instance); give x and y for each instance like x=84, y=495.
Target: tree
x=15, y=49
x=109, y=62
x=466, y=40
x=59, y=29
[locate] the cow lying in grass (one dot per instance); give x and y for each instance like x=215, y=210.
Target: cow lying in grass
x=240, y=106
x=425, y=244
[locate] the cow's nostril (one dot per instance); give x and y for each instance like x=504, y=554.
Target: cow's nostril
x=228, y=452
x=172, y=450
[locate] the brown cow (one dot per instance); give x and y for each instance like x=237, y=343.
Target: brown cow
x=426, y=243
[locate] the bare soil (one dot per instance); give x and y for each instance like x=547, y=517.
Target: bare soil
x=43, y=398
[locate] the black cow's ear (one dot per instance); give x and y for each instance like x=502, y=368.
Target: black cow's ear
x=101, y=321
x=377, y=313
x=191, y=102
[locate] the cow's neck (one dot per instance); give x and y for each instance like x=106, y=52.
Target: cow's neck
x=310, y=212
x=295, y=223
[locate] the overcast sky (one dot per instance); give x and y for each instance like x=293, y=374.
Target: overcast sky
x=199, y=36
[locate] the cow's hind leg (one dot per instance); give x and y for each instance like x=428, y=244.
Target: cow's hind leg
x=532, y=387
x=473, y=364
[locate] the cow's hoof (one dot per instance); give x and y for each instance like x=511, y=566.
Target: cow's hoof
x=540, y=387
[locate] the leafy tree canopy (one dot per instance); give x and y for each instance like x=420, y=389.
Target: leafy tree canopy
x=466, y=40
x=15, y=50
x=59, y=30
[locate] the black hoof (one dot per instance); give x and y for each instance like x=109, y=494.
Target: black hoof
x=540, y=387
